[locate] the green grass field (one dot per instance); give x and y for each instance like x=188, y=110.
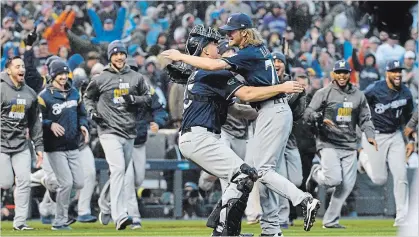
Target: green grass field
x=355, y=227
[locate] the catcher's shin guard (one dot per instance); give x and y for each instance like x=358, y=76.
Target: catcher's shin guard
x=234, y=210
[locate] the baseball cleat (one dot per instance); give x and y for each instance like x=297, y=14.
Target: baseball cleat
x=104, y=218
x=310, y=207
x=123, y=223
x=23, y=227
x=335, y=226
x=136, y=225
x=86, y=218
x=61, y=227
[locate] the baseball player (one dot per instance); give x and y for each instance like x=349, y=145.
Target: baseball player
x=273, y=125
x=205, y=109
x=390, y=102
x=289, y=167
x=64, y=120
x=339, y=107
x=88, y=161
x=157, y=117
x=411, y=227
x=19, y=113
x=112, y=99
x=234, y=134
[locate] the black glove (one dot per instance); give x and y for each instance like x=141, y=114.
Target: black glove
x=32, y=37
x=250, y=171
x=96, y=117
x=129, y=99
x=178, y=73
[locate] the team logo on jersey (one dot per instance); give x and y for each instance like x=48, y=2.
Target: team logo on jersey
x=231, y=81
x=381, y=108
x=17, y=110
x=58, y=108
x=123, y=89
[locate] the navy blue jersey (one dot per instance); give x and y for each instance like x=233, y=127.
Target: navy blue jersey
x=255, y=64
x=207, y=97
x=389, y=107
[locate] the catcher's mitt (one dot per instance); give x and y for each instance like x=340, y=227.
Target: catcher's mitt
x=178, y=73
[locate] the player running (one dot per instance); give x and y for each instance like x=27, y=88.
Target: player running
x=273, y=125
x=64, y=120
x=112, y=99
x=340, y=107
x=391, y=103
x=19, y=113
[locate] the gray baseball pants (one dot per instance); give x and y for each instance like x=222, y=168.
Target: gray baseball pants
x=391, y=152
x=291, y=168
x=88, y=163
x=412, y=228
x=68, y=170
x=266, y=149
x=207, y=151
x=206, y=181
x=337, y=169
x=17, y=166
x=134, y=177
x=118, y=152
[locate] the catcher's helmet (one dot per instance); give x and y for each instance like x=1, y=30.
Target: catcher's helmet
x=200, y=37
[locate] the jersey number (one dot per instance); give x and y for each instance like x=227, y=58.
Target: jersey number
x=269, y=64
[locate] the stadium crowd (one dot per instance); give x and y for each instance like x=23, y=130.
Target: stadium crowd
x=312, y=34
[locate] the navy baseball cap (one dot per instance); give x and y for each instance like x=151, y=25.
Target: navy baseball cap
x=341, y=65
x=394, y=65
x=237, y=21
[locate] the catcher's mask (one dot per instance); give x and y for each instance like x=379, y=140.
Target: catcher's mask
x=200, y=37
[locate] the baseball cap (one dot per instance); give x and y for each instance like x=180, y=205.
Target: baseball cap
x=108, y=21
x=394, y=65
x=410, y=54
x=237, y=21
x=341, y=65
x=223, y=47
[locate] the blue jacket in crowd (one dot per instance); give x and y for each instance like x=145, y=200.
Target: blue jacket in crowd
x=107, y=36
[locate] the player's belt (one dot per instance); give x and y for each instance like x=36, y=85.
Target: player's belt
x=282, y=100
x=186, y=130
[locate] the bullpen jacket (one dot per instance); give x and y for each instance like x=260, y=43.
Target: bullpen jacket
x=67, y=109
x=104, y=97
x=346, y=109
x=19, y=111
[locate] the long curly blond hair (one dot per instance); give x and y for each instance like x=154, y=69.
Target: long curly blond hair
x=252, y=37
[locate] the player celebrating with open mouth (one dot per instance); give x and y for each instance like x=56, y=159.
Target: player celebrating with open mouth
x=273, y=125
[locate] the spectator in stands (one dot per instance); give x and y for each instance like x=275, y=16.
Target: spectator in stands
x=410, y=73
x=109, y=30
x=368, y=72
x=276, y=20
x=390, y=50
x=56, y=34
